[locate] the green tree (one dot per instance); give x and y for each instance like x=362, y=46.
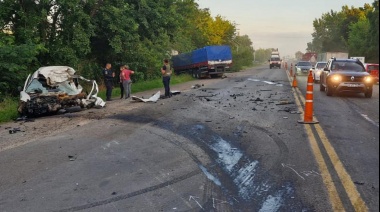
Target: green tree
x=242, y=52
x=263, y=55
x=359, y=38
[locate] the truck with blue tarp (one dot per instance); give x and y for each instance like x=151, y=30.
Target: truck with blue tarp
x=209, y=61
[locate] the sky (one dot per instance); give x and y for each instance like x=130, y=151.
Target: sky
x=286, y=25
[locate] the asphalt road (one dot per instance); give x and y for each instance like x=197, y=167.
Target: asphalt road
x=232, y=145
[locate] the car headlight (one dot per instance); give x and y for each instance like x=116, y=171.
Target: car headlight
x=368, y=79
x=336, y=78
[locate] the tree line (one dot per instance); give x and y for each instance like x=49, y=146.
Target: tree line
x=353, y=30
x=85, y=34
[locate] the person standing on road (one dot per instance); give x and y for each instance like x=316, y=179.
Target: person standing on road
x=166, y=74
x=108, y=75
x=127, y=82
x=121, y=82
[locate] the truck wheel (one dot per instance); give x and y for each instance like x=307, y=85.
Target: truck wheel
x=368, y=94
x=329, y=90
x=194, y=74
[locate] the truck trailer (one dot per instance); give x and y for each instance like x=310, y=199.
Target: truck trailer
x=208, y=61
x=328, y=55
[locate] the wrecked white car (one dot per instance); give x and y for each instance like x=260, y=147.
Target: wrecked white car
x=56, y=89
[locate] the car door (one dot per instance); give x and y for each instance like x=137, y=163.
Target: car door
x=324, y=73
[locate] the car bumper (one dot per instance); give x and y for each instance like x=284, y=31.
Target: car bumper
x=352, y=87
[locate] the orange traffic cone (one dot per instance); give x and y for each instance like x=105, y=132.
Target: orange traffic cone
x=295, y=84
x=308, y=113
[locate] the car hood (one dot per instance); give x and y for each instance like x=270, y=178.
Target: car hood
x=304, y=67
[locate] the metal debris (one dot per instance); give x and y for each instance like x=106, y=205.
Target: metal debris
x=14, y=130
x=196, y=86
x=154, y=98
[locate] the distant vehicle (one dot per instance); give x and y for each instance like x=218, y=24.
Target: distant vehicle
x=317, y=70
x=56, y=88
x=208, y=61
x=275, y=60
x=373, y=70
x=303, y=67
x=346, y=75
x=328, y=55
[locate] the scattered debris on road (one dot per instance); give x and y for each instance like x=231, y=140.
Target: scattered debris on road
x=15, y=130
x=71, y=157
x=196, y=86
x=175, y=92
x=153, y=98
x=359, y=183
x=285, y=103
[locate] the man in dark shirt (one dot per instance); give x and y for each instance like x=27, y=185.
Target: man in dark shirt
x=108, y=80
x=166, y=73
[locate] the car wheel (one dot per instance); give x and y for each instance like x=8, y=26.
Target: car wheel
x=368, y=94
x=329, y=90
x=321, y=87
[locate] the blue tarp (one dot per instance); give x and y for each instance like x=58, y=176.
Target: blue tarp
x=208, y=53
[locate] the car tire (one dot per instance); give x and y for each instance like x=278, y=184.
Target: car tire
x=368, y=94
x=329, y=90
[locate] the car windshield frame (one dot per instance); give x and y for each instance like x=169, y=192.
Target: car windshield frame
x=347, y=66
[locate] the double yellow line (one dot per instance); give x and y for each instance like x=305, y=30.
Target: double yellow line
x=354, y=196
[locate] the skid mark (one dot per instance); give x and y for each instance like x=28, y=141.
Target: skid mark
x=133, y=194
x=210, y=176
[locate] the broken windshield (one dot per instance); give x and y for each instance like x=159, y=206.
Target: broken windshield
x=36, y=86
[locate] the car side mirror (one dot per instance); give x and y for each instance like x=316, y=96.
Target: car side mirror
x=19, y=88
x=326, y=69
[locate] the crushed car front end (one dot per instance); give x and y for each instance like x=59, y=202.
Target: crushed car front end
x=54, y=89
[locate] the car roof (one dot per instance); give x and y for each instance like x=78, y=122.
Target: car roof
x=345, y=60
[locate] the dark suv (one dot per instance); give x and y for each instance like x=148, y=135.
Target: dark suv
x=346, y=75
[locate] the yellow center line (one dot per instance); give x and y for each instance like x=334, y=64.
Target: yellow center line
x=353, y=194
